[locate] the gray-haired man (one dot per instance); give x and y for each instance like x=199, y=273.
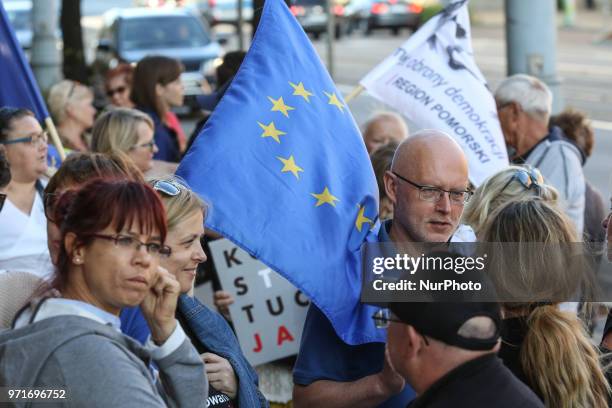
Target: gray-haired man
x=524, y=106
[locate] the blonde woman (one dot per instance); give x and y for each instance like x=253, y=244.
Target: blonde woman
x=128, y=131
x=511, y=183
x=232, y=380
x=71, y=106
x=545, y=347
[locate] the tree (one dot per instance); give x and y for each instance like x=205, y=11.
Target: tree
x=74, y=52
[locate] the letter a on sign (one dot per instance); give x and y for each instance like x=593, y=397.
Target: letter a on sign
x=283, y=335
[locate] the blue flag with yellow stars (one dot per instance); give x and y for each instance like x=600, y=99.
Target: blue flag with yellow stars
x=286, y=173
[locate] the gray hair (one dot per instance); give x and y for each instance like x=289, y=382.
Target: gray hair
x=529, y=92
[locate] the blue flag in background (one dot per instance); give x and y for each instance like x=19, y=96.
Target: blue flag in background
x=19, y=88
x=284, y=167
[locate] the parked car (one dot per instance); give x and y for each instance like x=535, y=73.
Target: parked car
x=128, y=35
x=225, y=11
x=394, y=15
x=20, y=16
x=357, y=12
x=312, y=16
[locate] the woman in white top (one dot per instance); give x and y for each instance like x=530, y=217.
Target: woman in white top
x=23, y=233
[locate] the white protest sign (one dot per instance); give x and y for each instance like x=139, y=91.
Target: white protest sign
x=268, y=312
x=433, y=80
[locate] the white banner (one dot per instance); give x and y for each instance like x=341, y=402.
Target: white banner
x=433, y=80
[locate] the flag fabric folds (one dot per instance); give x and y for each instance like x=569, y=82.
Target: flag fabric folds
x=286, y=173
x=19, y=88
x=434, y=81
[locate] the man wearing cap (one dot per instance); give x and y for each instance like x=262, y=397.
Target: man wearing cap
x=447, y=353
x=427, y=185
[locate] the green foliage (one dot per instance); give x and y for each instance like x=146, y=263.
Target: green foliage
x=429, y=12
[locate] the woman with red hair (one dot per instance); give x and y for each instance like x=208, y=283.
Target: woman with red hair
x=113, y=237
x=118, y=84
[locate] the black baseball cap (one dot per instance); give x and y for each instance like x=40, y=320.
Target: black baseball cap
x=442, y=320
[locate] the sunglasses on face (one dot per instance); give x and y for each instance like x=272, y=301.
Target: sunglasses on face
x=111, y=92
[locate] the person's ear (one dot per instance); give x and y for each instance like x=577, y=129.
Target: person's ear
x=414, y=340
x=75, y=251
x=390, y=187
x=70, y=109
x=386, y=208
x=515, y=110
x=159, y=90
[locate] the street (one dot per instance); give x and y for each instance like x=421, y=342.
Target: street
x=583, y=66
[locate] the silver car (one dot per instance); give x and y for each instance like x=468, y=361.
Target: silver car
x=129, y=35
x=20, y=16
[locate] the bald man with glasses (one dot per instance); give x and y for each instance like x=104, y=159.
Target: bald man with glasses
x=428, y=187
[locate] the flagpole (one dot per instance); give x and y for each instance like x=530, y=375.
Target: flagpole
x=354, y=93
x=55, y=138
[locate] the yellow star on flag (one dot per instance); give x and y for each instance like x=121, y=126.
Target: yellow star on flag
x=325, y=198
x=271, y=131
x=362, y=219
x=333, y=100
x=278, y=105
x=290, y=166
x=299, y=90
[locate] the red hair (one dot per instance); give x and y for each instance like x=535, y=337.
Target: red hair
x=104, y=202
x=123, y=69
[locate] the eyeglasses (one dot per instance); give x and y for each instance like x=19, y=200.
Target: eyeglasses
x=111, y=92
x=2, y=200
x=35, y=140
x=528, y=178
x=382, y=318
x=73, y=85
x=127, y=242
x=434, y=194
x=167, y=187
x=149, y=145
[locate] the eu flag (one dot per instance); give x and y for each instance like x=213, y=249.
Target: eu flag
x=19, y=88
x=283, y=165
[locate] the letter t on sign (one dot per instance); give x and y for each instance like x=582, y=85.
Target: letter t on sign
x=265, y=274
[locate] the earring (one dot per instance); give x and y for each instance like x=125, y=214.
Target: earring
x=76, y=260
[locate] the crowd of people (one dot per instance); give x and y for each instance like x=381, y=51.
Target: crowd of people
x=98, y=262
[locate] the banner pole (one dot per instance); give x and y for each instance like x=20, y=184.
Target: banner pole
x=354, y=93
x=55, y=138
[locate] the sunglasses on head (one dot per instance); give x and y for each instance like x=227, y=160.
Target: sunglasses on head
x=529, y=178
x=167, y=187
x=111, y=92
x=73, y=86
